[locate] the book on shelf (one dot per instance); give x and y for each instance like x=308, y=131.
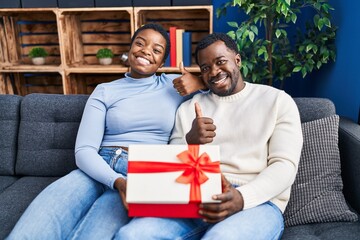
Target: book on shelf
x=172, y=31
x=179, y=46
x=187, y=54
x=167, y=60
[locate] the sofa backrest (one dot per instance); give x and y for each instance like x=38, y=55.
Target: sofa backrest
x=48, y=129
x=47, y=134
x=314, y=108
x=9, y=123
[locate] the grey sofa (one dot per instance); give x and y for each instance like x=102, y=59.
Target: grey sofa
x=37, y=137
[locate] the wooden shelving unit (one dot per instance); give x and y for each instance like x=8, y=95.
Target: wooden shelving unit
x=72, y=37
x=196, y=19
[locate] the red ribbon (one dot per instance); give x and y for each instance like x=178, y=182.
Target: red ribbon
x=194, y=167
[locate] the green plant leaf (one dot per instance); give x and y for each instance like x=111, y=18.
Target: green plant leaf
x=297, y=69
x=277, y=33
x=251, y=36
x=233, y=24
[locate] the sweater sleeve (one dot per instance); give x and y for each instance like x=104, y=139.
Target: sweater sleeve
x=178, y=135
x=89, y=138
x=284, y=149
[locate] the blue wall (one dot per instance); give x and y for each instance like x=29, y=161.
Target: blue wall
x=337, y=81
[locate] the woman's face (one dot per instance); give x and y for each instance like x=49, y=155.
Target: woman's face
x=146, y=54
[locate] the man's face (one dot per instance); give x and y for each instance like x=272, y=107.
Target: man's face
x=219, y=67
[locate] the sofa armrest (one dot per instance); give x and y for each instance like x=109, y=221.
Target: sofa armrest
x=349, y=146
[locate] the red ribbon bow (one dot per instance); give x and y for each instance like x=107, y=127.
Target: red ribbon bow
x=194, y=167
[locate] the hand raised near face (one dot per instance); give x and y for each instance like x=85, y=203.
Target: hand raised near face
x=202, y=130
x=187, y=83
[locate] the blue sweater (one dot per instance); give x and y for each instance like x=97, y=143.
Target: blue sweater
x=122, y=112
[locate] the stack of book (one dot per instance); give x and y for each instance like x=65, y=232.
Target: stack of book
x=180, y=48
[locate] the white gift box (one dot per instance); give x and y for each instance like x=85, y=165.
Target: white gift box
x=172, y=180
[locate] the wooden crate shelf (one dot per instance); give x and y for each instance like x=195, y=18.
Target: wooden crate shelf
x=85, y=83
x=195, y=19
x=20, y=31
x=72, y=36
x=22, y=83
x=87, y=30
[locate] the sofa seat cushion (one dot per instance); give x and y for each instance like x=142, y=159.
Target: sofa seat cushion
x=15, y=199
x=328, y=231
x=6, y=181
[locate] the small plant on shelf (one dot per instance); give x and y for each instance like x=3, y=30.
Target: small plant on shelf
x=105, y=56
x=37, y=55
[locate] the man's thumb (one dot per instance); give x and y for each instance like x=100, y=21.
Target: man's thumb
x=198, y=111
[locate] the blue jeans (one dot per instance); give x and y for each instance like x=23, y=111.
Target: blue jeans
x=76, y=206
x=264, y=222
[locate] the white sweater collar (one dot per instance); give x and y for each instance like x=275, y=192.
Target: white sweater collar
x=233, y=97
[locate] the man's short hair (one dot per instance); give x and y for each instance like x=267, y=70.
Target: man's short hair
x=211, y=38
x=158, y=28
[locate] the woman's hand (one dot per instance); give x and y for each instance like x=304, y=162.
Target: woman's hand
x=120, y=185
x=187, y=83
x=231, y=203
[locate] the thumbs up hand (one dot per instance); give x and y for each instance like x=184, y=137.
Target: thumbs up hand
x=187, y=83
x=202, y=130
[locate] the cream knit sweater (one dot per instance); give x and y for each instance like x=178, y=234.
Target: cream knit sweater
x=260, y=138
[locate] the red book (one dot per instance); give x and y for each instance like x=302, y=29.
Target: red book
x=172, y=31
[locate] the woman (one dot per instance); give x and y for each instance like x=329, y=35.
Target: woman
x=139, y=108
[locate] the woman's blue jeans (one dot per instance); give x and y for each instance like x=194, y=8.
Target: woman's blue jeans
x=78, y=207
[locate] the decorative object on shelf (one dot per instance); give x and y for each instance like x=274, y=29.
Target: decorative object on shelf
x=105, y=56
x=37, y=55
x=39, y=3
x=124, y=59
x=274, y=55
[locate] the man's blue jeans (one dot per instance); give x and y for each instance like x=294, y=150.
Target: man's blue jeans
x=78, y=207
x=263, y=222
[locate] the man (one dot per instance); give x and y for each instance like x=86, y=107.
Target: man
x=259, y=132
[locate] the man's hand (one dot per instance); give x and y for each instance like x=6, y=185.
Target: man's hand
x=202, y=130
x=187, y=83
x=231, y=202
x=120, y=185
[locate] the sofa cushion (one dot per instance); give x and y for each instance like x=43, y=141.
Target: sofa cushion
x=47, y=134
x=314, y=108
x=316, y=195
x=349, y=146
x=9, y=123
x=6, y=181
x=328, y=231
x=15, y=199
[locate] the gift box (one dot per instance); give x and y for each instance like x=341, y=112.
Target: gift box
x=171, y=180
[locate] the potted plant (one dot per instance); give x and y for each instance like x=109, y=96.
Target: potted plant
x=274, y=54
x=37, y=55
x=105, y=56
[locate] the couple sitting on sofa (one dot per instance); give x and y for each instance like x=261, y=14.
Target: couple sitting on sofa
x=257, y=127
